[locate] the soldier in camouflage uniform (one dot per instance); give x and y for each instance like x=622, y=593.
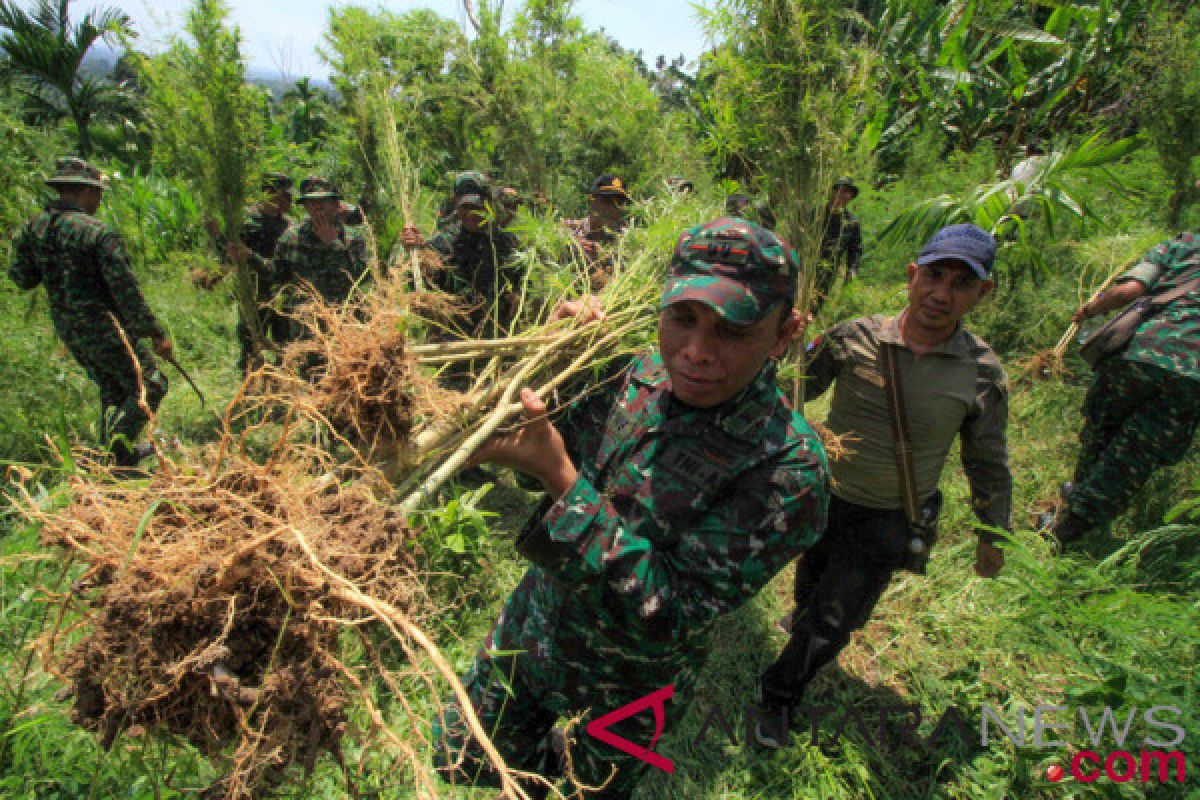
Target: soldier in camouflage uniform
x=479, y=266
x=841, y=240
x=696, y=483
x=264, y=224
x=469, y=182
x=953, y=386
x=94, y=299
x=595, y=234
x=1143, y=406
x=320, y=252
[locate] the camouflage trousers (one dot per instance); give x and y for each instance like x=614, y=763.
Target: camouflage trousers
x=1137, y=418
x=827, y=275
x=522, y=695
x=97, y=346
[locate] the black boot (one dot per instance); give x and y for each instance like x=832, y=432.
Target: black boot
x=1070, y=528
x=126, y=459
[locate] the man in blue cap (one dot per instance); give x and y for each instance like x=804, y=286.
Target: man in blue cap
x=952, y=385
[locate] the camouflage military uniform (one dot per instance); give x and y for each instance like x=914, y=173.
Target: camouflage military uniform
x=83, y=265
x=679, y=515
x=593, y=242
x=841, y=242
x=261, y=232
x=479, y=270
x=469, y=182
x=598, y=258
x=1143, y=406
x=333, y=269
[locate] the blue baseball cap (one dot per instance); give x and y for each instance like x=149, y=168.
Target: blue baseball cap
x=968, y=243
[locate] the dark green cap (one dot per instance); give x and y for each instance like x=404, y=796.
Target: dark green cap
x=313, y=188
x=845, y=183
x=470, y=182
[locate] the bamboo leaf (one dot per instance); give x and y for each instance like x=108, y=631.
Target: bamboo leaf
x=1018, y=31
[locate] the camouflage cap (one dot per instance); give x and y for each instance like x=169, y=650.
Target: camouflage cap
x=470, y=182
x=276, y=182
x=846, y=183
x=737, y=267
x=313, y=188
x=73, y=171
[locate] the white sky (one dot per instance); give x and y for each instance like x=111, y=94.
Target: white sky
x=283, y=35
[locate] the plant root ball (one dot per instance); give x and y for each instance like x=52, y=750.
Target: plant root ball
x=214, y=624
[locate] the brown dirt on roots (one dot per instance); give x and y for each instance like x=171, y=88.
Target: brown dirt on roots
x=356, y=370
x=837, y=446
x=1042, y=366
x=206, y=619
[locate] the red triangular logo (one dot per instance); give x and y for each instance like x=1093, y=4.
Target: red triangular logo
x=598, y=728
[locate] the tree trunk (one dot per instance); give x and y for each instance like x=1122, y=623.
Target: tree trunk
x=82, y=134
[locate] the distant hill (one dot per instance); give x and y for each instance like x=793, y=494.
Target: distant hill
x=101, y=60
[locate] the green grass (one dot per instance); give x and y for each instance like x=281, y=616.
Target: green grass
x=1114, y=623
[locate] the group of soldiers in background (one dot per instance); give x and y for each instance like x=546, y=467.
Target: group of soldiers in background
x=101, y=316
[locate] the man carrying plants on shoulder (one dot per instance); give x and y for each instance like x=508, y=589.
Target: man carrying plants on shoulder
x=674, y=494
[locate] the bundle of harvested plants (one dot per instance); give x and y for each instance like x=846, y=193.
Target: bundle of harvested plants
x=1104, y=262
x=358, y=375
x=206, y=613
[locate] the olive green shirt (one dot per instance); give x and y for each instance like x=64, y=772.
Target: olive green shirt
x=956, y=389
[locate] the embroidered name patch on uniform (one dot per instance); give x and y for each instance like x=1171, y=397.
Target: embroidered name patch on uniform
x=692, y=467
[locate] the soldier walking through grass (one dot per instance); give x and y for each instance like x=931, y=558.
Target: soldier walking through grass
x=1143, y=406
x=94, y=300
x=841, y=240
x=674, y=495
x=265, y=223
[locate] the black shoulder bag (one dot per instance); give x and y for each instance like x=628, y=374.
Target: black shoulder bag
x=1114, y=335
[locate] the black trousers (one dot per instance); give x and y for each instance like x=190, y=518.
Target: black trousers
x=838, y=583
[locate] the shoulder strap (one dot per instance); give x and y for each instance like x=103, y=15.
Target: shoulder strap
x=899, y=419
